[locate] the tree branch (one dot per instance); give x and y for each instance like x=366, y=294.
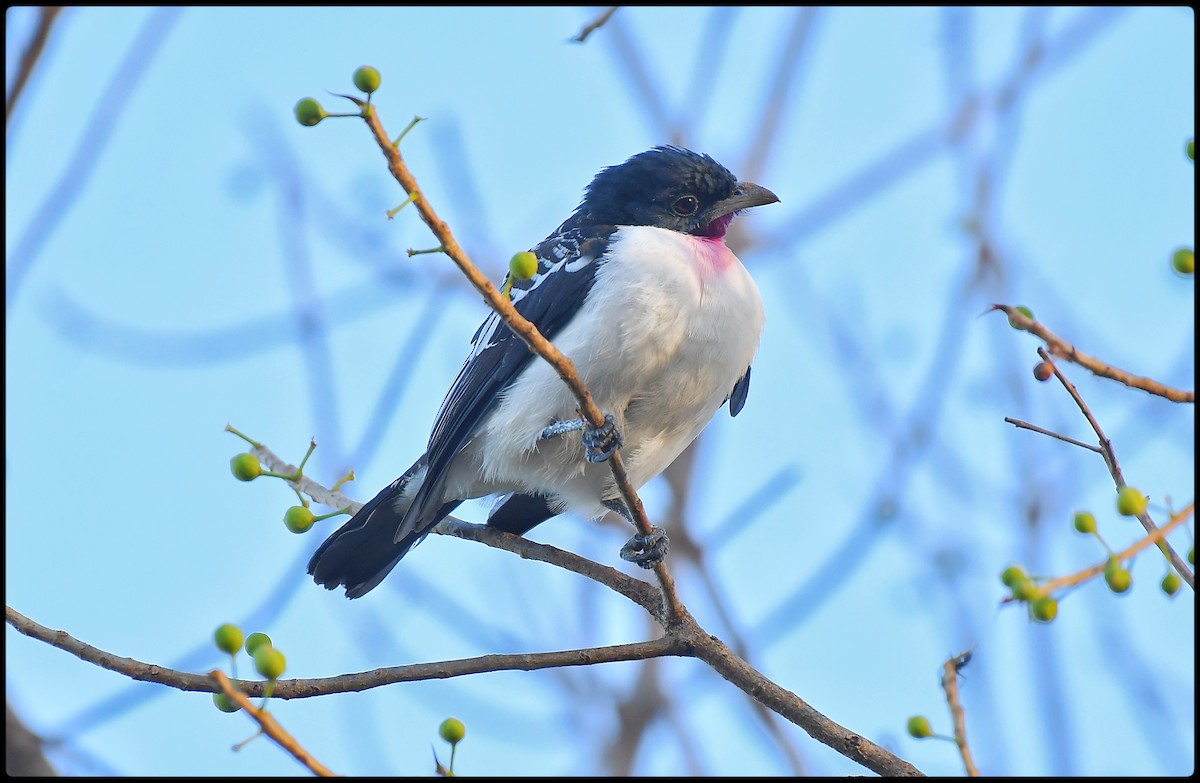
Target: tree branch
x=1060, y=347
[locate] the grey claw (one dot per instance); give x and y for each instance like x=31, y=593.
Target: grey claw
x=600, y=443
x=647, y=551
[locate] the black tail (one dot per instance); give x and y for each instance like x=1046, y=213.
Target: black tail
x=363, y=551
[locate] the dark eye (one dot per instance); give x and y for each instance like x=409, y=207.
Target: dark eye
x=685, y=206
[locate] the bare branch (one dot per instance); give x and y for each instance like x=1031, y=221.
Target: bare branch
x=950, y=686
x=1061, y=348
x=595, y=24
x=1024, y=425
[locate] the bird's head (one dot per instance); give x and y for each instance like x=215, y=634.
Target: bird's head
x=672, y=188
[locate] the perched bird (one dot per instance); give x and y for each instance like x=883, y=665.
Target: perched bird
x=661, y=319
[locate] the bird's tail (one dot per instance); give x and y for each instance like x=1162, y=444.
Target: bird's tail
x=363, y=551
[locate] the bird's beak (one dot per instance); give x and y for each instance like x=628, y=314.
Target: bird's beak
x=745, y=195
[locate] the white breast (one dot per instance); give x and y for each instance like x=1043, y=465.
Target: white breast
x=660, y=343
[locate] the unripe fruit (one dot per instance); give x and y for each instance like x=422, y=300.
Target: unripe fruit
x=1130, y=502
x=1085, y=522
x=1170, y=583
x=228, y=638
x=298, y=519
x=245, y=467
x=269, y=662
x=224, y=703
x=1191, y=149
x=309, y=112
x=918, y=726
x=367, y=79
x=452, y=730
x=1025, y=311
x=523, y=265
x=1012, y=575
x=1044, y=609
x=1183, y=261
x=256, y=640
x=1119, y=579
x=1043, y=371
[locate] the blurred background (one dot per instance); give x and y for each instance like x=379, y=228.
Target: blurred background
x=181, y=254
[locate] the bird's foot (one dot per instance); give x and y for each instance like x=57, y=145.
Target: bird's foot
x=600, y=443
x=647, y=550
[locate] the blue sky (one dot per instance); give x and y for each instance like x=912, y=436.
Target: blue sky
x=197, y=219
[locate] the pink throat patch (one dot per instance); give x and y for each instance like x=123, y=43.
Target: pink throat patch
x=711, y=256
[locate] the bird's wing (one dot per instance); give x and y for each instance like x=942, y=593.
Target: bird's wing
x=567, y=264
x=737, y=397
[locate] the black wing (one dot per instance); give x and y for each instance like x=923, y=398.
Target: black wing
x=737, y=397
x=567, y=264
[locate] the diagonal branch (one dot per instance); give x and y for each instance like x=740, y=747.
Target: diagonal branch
x=271, y=727
x=1060, y=347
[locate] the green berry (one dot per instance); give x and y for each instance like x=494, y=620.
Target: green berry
x=1119, y=579
x=309, y=112
x=224, y=703
x=269, y=662
x=1183, y=261
x=1023, y=310
x=1170, y=583
x=367, y=79
x=245, y=467
x=452, y=730
x=256, y=640
x=228, y=638
x=1130, y=502
x=1044, y=609
x=1012, y=575
x=523, y=265
x=298, y=519
x=1191, y=149
x=1085, y=522
x=918, y=726
x=1192, y=555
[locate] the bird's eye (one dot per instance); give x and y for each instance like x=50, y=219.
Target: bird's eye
x=685, y=206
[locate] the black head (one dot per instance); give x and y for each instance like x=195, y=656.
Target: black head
x=672, y=188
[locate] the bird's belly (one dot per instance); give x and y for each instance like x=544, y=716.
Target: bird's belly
x=660, y=345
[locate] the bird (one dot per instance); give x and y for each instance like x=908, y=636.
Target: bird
x=662, y=321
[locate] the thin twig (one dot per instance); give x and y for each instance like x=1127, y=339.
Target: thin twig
x=1157, y=537
x=1114, y=468
x=595, y=24
x=950, y=686
x=1024, y=425
x=271, y=727
x=1060, y=347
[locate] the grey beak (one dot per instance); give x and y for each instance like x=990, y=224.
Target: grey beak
x=746, y=195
